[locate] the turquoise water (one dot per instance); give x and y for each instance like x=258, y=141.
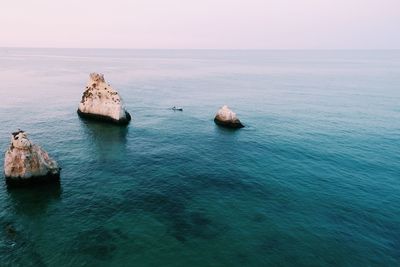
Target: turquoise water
x=313, y=180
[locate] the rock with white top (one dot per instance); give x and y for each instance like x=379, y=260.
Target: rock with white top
x=26, y=163
x=100, y=101
x=227, y=118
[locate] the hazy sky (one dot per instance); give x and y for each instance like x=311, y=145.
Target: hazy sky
x=261, y=24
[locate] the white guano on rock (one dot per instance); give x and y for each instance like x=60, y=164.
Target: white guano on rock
x=27, y=163
x=227, y=118
x=100, y=101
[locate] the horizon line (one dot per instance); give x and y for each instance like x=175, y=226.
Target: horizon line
x=233, y=49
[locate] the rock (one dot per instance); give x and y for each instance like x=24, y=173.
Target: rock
x=227, y=118
x=100, y=101
x=10, y=230
x=26, y=163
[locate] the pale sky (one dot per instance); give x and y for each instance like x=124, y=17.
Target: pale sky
x=208, y=24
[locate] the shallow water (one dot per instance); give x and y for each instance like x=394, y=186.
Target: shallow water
x=313, y=180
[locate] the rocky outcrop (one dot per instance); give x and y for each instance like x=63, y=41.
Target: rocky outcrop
x=100, y=101
x=227, y=118
x=26, y=163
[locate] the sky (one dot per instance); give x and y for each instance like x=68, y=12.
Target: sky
x=201, y=24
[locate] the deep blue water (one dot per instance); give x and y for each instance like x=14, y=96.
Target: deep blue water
x=313, y=180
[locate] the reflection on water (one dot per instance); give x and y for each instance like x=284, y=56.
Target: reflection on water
x=18, y=244
x=108, y=140
x=34, y=201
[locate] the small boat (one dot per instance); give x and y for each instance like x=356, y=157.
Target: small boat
x=177, y=109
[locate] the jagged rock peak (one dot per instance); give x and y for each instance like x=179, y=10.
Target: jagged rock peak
x=101, y=102
x=97, y=78
x=19, y=139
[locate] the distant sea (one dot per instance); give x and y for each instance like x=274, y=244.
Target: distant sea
x=312, y=180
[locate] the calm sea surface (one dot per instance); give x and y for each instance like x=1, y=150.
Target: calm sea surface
x=313, y=180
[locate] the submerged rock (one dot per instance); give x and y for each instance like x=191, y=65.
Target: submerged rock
x=227, y=118
x=100, y=101
x=26, y=163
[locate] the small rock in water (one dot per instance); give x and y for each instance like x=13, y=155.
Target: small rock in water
x=101, y=102
x=26, y=163
x=10, y=230
x=227, y=118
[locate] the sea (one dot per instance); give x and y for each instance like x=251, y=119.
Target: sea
x=312, y=180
